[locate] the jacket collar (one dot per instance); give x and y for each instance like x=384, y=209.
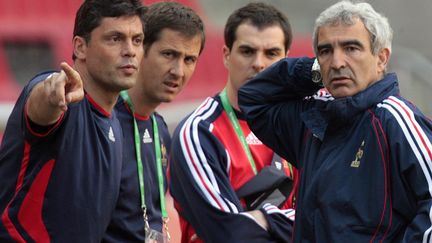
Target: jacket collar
x=342, y=111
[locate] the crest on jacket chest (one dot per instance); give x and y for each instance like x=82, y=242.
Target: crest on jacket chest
x=356, y=162
x=164, y=155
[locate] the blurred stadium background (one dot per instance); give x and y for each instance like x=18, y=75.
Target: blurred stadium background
x=36, y=35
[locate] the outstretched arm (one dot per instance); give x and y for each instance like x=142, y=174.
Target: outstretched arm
x=49, y=99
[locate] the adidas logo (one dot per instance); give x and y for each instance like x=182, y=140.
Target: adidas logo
x=278, y=165
x=146, y=137
x=111, y=135
x=252, y=139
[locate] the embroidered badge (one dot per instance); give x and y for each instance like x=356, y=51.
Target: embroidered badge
x=285, y=164
x=356, y=163
x=164, y=155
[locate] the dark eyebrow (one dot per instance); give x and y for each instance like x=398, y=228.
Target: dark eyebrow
x=274, y=49
x=121, y=34
x=139, y=35
x=192, y=56
x=246, y=47
x=114, y=32
x=352, y=42
x=342, y=43
x=323, y=46
x=173, y=51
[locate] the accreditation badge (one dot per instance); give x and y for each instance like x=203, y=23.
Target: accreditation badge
x=154, y=236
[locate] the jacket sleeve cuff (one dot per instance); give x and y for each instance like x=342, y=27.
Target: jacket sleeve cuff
x=280, y=222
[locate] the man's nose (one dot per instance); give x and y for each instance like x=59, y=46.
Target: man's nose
x=177, y=69
x=338, y=60
x=259, y=63
x=130, y=48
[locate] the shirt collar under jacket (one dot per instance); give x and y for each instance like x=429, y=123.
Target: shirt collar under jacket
x=342, y=111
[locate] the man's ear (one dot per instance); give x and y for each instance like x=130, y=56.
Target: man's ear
x=383, y=58
x=226, y=55
x=80, y=47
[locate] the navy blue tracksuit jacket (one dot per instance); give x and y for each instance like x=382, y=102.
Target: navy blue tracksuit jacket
x=365, y=160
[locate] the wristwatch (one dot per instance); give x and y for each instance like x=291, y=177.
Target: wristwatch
x=316, y=73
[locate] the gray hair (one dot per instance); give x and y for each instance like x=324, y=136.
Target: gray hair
x=346, y=12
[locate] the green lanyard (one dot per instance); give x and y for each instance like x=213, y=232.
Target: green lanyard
x=159, y=167
x=234, y=122
x=126, y=97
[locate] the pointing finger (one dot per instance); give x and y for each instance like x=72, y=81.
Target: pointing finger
x=72, y=75
x=74, y=87
x=57, y=90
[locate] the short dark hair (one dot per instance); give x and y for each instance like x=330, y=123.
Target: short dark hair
x=260, y=15
x=91, y=13
x=173, y=16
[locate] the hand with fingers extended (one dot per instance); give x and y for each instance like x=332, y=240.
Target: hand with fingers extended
x=64, y=87
x=50, y=98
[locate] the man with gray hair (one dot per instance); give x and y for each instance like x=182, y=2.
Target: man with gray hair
x=364, y=152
